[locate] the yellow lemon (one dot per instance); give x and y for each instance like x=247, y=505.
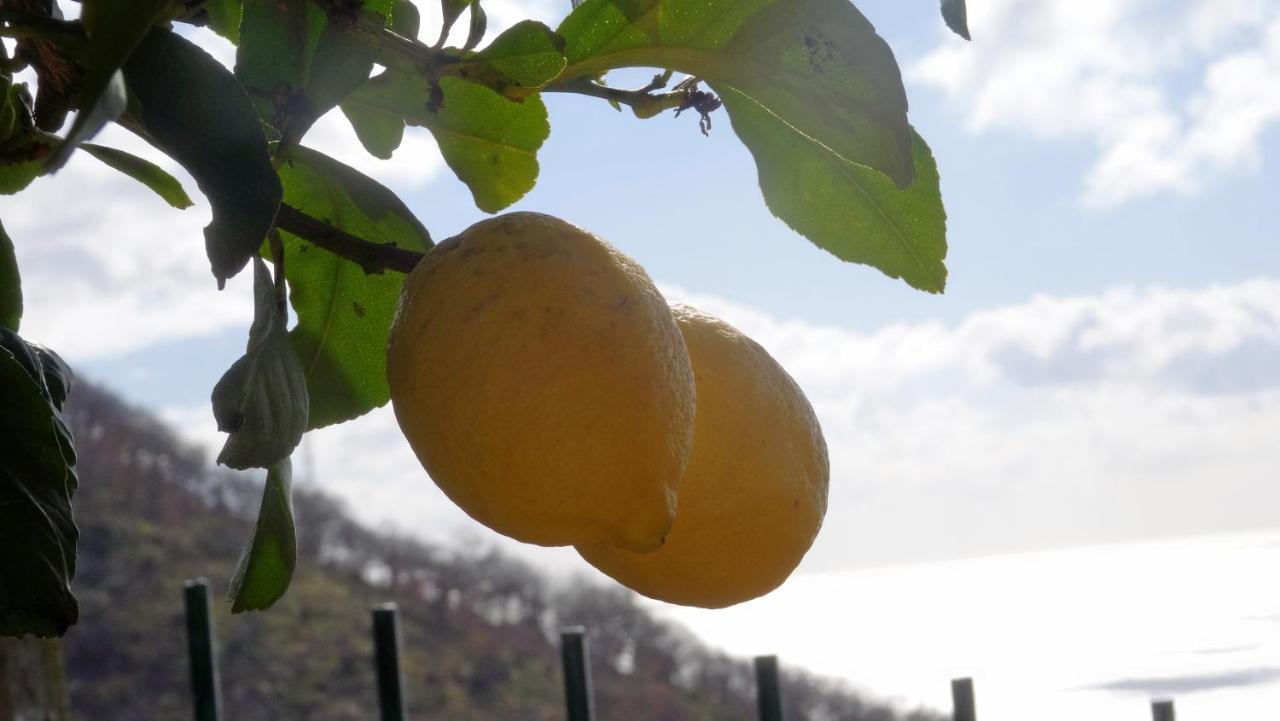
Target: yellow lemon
x=539, y=377
x=755, y=492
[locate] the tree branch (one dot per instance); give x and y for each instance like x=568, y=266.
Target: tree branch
x=373, y=257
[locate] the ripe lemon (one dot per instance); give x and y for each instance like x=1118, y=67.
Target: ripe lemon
x=755, y=492
x=539, y=377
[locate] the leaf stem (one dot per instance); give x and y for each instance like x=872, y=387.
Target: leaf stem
x=643, y=102
x=373, y=257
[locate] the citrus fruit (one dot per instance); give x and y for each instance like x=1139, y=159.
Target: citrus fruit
x=754, y=494
x=539, y=377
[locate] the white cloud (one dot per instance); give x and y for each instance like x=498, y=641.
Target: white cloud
x=108, y=267
x=1172, y=94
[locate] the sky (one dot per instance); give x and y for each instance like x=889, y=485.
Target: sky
x=1104, y=366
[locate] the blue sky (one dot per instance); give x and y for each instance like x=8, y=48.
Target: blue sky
x=1105, y=364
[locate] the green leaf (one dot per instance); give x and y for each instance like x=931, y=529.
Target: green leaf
x=477, y=27
x=450, y=11
x=18, y=175
x=261, y=401
x=10, y=284
x=115, y=28
x=956, y=16
x=489, y=142
x=855, y=213
x=344, y=315
x=37, y=480
x=224, y=18
x=196, y=112
x=818, y=65
x=405, y=19
x=528, y=55
x=266, y=567
x=143, y=171
x=296, y=64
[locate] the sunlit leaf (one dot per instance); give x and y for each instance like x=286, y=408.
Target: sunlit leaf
x=855, y=213
x=261, y=401
x=196, y=112
x=489, y=142
x=344, y=315
x=266, y=567
x=818, y=65
x=145, y=172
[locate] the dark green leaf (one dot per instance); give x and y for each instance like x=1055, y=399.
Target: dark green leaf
x=10, y=284
x=489, y=142
x=143, y=171
x=956, y=15
x=344, y=315
x=854, y=212
x=297, y=64
x=114, y=28
x=405, y=19
x=261, y=401
x=196, y=112
x=16, y=176
x=262, y=576
x=450, y=11
x=477, y=27
x=37, y=479
x=818, y=65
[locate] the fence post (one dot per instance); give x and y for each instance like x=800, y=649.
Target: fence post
x=962, y=700
x=768, y=688
x=386, y=660
x=1162, y=710
x=205, y=688
x=577, y=674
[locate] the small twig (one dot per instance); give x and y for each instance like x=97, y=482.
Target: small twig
x=644, y=102
x=373, y=257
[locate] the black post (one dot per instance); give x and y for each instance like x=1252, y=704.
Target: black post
x=768, y=689
x=577, y=674
x=1162, y=710
x=205, y=689
x=962, y=700
x=386, y=659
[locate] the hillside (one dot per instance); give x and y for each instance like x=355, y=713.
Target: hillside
x=479, y=628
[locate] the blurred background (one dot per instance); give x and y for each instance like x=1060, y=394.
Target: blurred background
x=1059, y=477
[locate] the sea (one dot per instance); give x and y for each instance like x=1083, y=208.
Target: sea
x=1082, y=634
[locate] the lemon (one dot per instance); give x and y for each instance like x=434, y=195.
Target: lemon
x=754, y=494
x=539, y=377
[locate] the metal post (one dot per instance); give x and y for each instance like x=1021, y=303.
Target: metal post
x=962, y=700
x=1162, y=710
x=768, y=689
x=386, y=658
x=205, y=688
x=577, y=674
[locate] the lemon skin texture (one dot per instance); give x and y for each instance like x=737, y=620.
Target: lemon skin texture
x=540, y=378
x=754, y=495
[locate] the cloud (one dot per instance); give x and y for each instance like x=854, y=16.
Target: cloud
x=1172, y=94
x=1193, y=683
x=1058, y=421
